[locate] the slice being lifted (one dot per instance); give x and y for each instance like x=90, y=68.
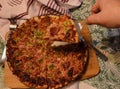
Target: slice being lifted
x=31, y=58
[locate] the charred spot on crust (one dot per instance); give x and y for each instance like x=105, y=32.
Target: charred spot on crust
x=62, y=80
x=17, y=61
x=32, y=80
x=40, y=80
x=52, y=83
x=70, y=72
x=48, y=81
x=16, y=72
x=55, y=82
x=80, y=57
x=67, y=35
x=25, y=77
x=70, y=34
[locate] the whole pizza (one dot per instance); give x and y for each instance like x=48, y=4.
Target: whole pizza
x=32, y=59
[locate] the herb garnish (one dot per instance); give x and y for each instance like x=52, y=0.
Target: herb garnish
x=38, y=33
x=66, y=23
x=50, y=75
x=51, y=67
x=27, y=70
x=40, y=60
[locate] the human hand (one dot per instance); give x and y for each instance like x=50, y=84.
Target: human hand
x=105, y=13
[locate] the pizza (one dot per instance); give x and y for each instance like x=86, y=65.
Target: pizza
x=31, y=58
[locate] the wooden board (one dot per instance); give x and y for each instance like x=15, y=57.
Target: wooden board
x=92, y=69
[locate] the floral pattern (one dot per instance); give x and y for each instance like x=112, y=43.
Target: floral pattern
x=109, y=76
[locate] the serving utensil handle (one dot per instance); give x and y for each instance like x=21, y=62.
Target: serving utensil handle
x=79, y=27
x=12, y=26
x=98, y=52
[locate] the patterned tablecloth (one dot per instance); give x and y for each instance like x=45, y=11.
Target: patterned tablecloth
x=107, y=40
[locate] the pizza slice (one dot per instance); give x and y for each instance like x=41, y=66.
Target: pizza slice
x=25, y=56
x=65, y=65
x=58, y=28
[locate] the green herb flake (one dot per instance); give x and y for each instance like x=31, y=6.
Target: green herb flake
x=66, y=23
x=66, y=29
x=50, y=75
x=43, y=48
x=16, y=53
x=58, y=54
x=16, y=40
x=23, y=51
x=18, y=64
x=30, y=56
x=66, y=53
x=22, y=34
x=27, y=70
x=41, y=43
x=40, y=60
x=46, y=56
x=51, y=67
x=38, y=33
x=30, y=64
x=28, y=43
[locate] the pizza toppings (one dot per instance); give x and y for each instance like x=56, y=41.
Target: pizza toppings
x=31, y=58
x=66, y=65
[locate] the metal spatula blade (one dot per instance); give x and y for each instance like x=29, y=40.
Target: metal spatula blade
x=59, y=43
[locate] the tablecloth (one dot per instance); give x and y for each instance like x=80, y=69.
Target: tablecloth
x=109, y=76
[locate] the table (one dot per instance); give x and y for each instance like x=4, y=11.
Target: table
x=109, y=76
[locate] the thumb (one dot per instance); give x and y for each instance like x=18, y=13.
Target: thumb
x=94, y=19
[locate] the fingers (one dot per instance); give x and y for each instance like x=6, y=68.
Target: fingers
x=94, y=19
x=95, y=8
x=99, y=19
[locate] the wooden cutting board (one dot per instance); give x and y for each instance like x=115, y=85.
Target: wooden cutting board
x=92, y=69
